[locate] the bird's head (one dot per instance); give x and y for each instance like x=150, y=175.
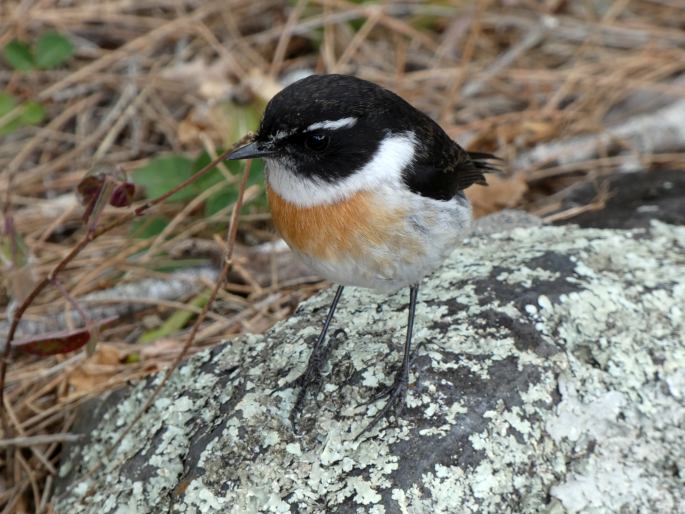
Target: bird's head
x=327, y=128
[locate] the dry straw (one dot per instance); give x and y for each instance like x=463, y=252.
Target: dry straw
x=563, y=91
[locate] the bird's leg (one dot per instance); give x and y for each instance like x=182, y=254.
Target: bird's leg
x=397, y=392
x=317, y=358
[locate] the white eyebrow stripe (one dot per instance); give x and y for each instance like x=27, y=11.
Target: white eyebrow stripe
x=333, y=124
x=281, y=134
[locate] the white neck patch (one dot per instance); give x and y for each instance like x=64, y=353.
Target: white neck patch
x=393, y=155
x=332, y=124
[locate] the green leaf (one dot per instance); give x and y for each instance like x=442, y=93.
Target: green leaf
x=133, y=358
x=15, y=262
x=222, y=199
x=14, y=253
x=18, y=55
x=10, y=126
x=164, y=173
x=212, y=177
x=176, y=321
x=32, y=113
x=259, y=203
x=168, y=265
x=256, y=173
x=52, y=50
x=237, y=119
x=7, y=103
x=145, y=228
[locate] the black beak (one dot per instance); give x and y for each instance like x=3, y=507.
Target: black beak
x=252, y=150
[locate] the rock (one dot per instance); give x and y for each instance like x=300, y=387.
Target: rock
x=635, y=199
x=506, y=219
x=551, y=378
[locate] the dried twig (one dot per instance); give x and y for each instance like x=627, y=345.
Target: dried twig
x=40, y=439
x=87, y=239
x=657, y=132
x=228, y=263
x=536, y=74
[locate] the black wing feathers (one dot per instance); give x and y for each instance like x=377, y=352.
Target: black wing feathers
x=482, y=162
x=445, y=169
x=441, y=168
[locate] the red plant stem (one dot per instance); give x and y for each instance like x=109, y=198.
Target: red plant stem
x=85, y=319
x=226, y=269
x=87, y=238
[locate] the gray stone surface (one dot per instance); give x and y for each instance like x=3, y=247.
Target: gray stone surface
x=506, y=219
x=635, y=199
x=551, y=379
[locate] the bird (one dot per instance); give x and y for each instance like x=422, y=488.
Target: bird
x=368, y=191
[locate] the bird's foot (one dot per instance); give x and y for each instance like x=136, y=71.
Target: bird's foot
x=312, y=376
x=396, y=396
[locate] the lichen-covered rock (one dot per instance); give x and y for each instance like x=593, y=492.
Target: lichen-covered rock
x=551, y=378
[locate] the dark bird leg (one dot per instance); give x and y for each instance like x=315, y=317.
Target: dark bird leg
x=397, y=392
x=317, y=358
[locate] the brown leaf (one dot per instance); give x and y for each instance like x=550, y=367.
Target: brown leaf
x=162, y=348
x=104, y=185
x=54, y=342
x=63, y=341
x=500, y=193
x=104, y=364
x=122, y=195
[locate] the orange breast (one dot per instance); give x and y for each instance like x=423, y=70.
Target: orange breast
x=349, y=228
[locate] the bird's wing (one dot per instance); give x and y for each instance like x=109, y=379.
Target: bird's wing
x=443, y=169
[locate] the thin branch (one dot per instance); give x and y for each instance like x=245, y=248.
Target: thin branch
x=87, y=239
x=657, y=132
x=226, y=269
x=21, y=442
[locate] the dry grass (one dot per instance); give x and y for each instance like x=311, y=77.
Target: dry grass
x=175, y=76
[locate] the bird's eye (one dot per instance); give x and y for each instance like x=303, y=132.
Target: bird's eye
x=316, y=142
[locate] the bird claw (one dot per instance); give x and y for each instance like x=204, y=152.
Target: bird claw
x=396, y=396
x=312, y=375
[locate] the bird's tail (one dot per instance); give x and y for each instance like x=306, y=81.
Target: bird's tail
x=483, y=161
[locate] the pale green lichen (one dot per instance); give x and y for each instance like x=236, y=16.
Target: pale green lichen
x=575, y=391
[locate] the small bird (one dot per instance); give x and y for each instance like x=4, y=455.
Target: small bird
x=365, y=189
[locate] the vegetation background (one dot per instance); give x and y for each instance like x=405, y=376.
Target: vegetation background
x=99, y=96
